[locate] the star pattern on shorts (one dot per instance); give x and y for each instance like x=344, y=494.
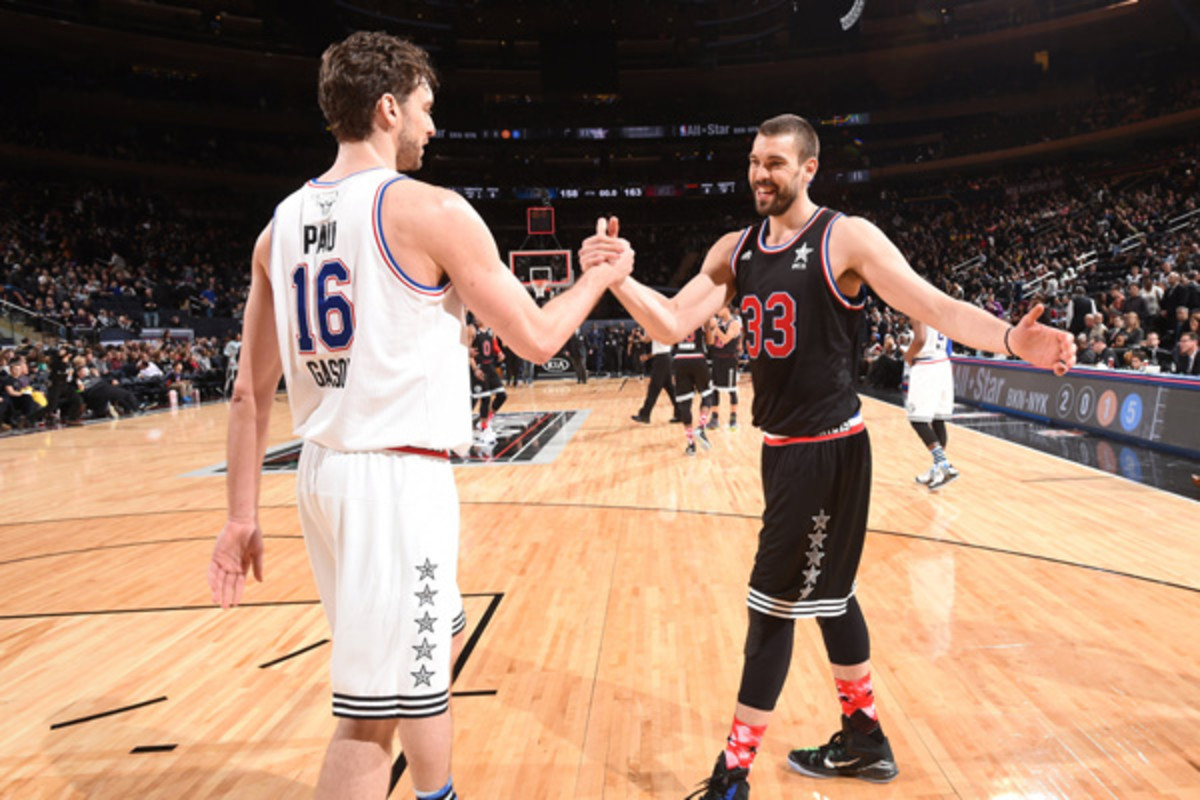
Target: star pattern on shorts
x=820, y=520
x=425, y=623
x=427, y=570
x=817, y=539
x=814, y=557
x=425, y=596
x=422, y=676
x=424, y=649
x=810, y=575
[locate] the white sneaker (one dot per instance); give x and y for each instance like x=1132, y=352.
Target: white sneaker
x=926, y=478
x=943, y=476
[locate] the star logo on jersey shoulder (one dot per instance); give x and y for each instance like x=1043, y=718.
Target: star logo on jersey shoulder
x=802, y=253
x=745, y=256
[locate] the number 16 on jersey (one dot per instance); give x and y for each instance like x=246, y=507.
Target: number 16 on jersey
x=334, y=311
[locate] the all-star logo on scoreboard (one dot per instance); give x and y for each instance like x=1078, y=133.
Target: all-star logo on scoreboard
x=521, y=437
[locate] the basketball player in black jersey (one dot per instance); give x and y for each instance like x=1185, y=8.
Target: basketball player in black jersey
x=800, y=279
x=724, y=341
x=486, y=385
x=690, y=368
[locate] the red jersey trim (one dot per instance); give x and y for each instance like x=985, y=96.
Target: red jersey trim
x=846, y=302
x=850, y=427
x=737, y=251
x=421, y=451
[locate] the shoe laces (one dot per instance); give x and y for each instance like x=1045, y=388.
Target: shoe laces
x=719, y=783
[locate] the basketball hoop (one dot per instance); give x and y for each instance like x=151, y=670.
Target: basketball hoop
x=539, y=289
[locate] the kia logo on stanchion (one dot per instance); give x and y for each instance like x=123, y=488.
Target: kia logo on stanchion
x=557, y=365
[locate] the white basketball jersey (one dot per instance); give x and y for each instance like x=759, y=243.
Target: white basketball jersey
x=373, y=359
x=936, y=346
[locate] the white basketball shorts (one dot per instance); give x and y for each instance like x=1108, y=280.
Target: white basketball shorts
x=930, y=391
x=381, y=530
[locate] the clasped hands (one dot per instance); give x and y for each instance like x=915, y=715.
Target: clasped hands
x=605, y=249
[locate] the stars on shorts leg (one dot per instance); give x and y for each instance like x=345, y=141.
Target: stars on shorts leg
x=424, y=649
x=427, y=570
x=425, y=596
x=422, y=676
x=425, y=623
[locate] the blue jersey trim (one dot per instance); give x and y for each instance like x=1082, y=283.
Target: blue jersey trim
x=383, y=245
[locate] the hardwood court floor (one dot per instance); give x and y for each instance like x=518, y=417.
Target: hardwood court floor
x=1034, y=626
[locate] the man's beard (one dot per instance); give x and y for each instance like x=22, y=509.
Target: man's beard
x=408, y=156
x=779, y=203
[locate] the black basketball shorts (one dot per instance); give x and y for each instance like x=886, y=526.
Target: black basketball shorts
x=725, y=374
x=490, y=385
x=691, y=378
x=814, y=524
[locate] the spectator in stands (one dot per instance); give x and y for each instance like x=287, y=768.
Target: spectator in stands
x=148, y=370
x=149, y=310
x=1080, y=310
x=1136, y=304
x=1134, y=334
x=104, y=396
x=18, y=387
x=1157, y=356
x=1096, y=329
x=1177, y=327
x=1097, y=354
x=1186, y=360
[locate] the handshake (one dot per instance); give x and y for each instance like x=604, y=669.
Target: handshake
x=605, y=250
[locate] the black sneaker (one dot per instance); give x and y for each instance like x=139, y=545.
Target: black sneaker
x=713, y=422
x=704, y=442
x=849, y=754
x=690, y=450
x=724, y=784
x=641, y=419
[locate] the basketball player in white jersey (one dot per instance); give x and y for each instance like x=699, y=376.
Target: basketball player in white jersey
x=930, y=399
x=357, y=294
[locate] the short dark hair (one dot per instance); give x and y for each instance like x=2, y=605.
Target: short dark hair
x=359, y=70
x=785, y=124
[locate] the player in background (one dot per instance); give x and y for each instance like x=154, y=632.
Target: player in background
x=930, y=399
x=690, y=367
x=486, y=385
x=724, y=342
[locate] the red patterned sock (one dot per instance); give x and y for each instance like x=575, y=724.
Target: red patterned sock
x=858, y=695
x=689, y=435
x=742, y=744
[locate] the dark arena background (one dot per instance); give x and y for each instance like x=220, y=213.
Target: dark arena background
x=1033, y=624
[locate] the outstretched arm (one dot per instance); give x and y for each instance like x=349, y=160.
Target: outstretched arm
x=859, y=251
x=668, y=319
x=461, y=244
x=239, y=546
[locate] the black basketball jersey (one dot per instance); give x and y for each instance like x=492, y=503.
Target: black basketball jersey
x=484, y=346
x=799, y=328
x=730, y=348
x=690, y=347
